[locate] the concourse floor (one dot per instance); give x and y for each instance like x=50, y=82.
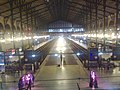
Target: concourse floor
x=68, y=74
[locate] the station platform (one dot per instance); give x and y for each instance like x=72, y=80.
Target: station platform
x=66, y=74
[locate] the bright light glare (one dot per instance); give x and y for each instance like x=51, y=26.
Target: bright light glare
x=61, y=45
x=2, y=40
x=45, y=36
x=20, y=49
x=81, y=41
x=78, y=54
x=33, y=55
x=10, y=56
x=56, y=55
x=100, y=53
x=61, y=42
x=61, y=49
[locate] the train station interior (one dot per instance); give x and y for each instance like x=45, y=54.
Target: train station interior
x=62, y=44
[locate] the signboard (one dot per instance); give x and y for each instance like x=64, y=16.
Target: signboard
x=93, y=54
x=14, y=52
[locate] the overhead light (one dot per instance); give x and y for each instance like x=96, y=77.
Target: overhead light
x=78, y=54
x=33, y=55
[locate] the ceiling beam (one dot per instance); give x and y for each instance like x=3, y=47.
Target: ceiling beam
x=102, y=5
x=18, y=6
x=82, y=11
x=89, y=7
x=35, y=14
x=48, y=4
x=27, y=9
x=4, y=3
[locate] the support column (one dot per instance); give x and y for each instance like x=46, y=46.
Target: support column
x=21, y=24
x=19, y=4
x=12, y=23
x=90, y=33
x=27, y=10
x=32, y=29
x=104, y=7
x=90, y=19
x=96, y=27
x=116, y=25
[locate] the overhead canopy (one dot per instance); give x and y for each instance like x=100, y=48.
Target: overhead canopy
x=47, y=11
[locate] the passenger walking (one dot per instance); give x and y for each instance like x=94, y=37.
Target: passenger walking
x=20, y=84
x=29, y=85
x=33, y=78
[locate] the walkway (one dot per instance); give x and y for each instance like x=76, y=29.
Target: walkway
x=69, y=75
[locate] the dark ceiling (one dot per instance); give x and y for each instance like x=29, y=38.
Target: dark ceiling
x=47, y=11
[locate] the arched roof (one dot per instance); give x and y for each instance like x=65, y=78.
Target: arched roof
x=46, y=11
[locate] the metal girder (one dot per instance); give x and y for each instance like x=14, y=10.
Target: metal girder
x=49, y=8
x=116, y=18
x=33, y=12
x=53, y=21
x=12, y=23
x=26, y=9
x=82, y=11
x=59, y=8
x=18, y=7
x=43, y=16
x=75, y=20
x=102, y=5
x=40, y=13
x=65, y=10
x=89, y=7
x=41, y=19
x=4, y=3
x=55, y=8
x=85, y=10
x=104, y=24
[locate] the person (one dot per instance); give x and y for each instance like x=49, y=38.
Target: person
x=93, y=80
x=33, y=78
x=20, y=84
x=29, y=85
